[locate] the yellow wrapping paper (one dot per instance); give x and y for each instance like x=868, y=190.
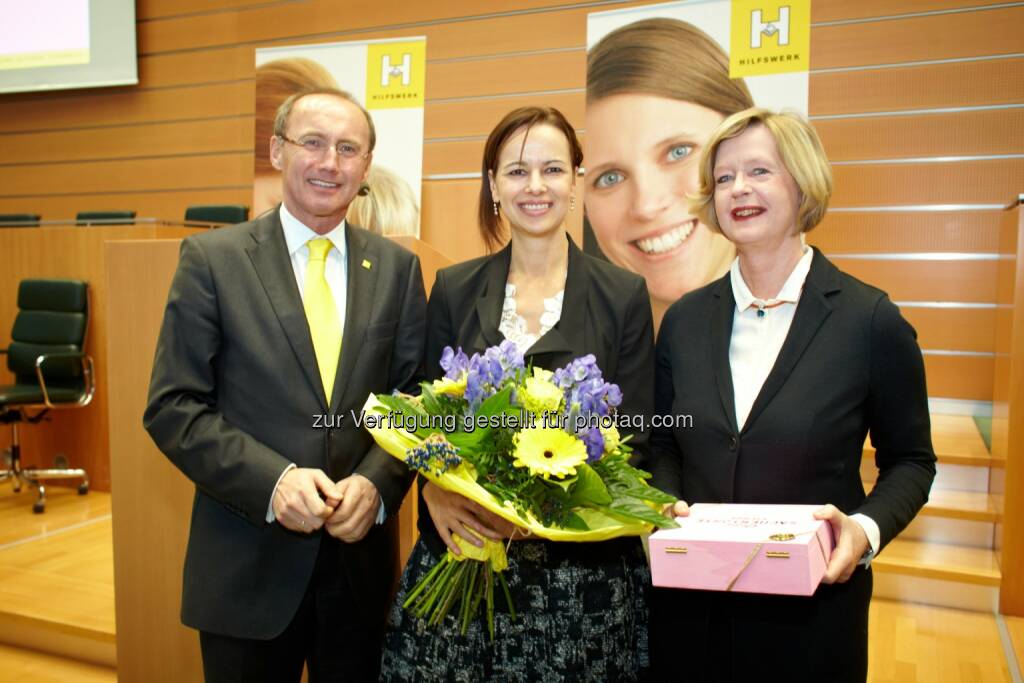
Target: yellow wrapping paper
x=462, y=480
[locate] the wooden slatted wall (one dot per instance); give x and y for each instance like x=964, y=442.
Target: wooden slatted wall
x=920, y=104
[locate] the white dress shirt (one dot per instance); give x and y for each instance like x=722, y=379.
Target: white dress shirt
x=296, y=238
x=759, y=328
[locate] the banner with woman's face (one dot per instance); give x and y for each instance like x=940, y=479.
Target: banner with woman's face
x=658, y=84
x=387, y=77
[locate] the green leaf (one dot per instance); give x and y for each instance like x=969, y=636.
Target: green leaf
x=634, y=509
x=574, y=521
x=589, y=490
x=401, y=405
x=430, y=403
x=501, y=402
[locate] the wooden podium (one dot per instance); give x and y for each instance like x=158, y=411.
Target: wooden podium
x=151, y=500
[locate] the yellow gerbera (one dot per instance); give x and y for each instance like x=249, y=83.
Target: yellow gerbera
x=548, y=451
x=450, y=387
x=539, y=394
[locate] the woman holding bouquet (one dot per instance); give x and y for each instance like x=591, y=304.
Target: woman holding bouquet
x=785, y=364
x=581, y=612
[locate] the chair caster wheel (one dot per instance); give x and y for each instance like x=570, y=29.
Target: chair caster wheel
x=38, y=507
x=83, y=489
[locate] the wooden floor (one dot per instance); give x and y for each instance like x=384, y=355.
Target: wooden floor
x=58, y=567
x=29, y=665
x=1015, y=625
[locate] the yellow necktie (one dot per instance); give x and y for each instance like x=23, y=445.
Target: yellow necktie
x=322, y=314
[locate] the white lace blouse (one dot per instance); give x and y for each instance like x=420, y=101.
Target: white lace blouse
x=513, y=325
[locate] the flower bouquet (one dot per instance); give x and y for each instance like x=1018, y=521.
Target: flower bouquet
x=540, y=449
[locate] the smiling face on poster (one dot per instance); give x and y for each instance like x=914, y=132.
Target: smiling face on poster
x=387, y=77
x=659, y=81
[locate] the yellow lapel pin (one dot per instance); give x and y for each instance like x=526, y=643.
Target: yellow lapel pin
x=367, y=264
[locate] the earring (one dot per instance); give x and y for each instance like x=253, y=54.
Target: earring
x=572, y=202
x=495, y=205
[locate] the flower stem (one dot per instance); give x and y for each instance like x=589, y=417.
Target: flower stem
x=425, y=581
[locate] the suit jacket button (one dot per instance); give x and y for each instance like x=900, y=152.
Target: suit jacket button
x=733, y=443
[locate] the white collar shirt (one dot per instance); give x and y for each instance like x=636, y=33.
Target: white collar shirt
x=759, y=329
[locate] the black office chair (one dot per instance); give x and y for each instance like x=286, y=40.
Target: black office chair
x=217, y=213
x=51, y=370
x=105, y=217
x=19, y=220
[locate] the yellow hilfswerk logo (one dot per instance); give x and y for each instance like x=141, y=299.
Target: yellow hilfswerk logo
x=769, y=37
x=395, y=74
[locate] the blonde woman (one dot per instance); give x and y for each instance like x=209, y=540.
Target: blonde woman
x=786, y=364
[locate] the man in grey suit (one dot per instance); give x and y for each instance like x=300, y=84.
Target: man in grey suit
x=270, y=326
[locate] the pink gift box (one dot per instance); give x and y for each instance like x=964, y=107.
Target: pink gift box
x=778, y=549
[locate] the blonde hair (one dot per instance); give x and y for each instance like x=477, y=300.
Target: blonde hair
x=276, y=81
x=388, y=208
x=668, y=58
x=802, y=154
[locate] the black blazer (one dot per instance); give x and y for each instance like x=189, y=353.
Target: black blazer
x=849, y=365
x=606, y=311
x=233, y=399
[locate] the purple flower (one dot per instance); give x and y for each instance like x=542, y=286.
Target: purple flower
x=594, y=441
x=487, y=373
x=587, y=395
x=454, y=363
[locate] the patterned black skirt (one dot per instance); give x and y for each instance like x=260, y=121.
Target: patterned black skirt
x=581, y=615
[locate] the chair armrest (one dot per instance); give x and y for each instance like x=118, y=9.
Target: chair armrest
x=87, y=374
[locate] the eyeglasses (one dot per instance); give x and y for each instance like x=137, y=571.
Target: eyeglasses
x=316, y=146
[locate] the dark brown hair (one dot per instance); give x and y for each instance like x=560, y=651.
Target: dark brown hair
x=668, y=58
x=491, y=226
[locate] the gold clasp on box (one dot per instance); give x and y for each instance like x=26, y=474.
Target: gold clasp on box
x=675, y=550
x=777, y=553
x=781, y=537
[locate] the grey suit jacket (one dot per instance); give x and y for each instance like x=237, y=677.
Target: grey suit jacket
x=233, y=400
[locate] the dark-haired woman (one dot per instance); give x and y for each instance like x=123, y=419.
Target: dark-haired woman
x=581, y=613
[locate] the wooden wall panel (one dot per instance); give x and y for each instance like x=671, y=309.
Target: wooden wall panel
x=477, y=117
x=945, y=36
x=155, y=9
x=964, y=182
x=208, y=136
x=129, y=175
x=961, y=377
x=164, y=204
x=965, y=281
x=953, y=329
x=859, y=233
x=128, y=106
x=924, y=135
x=203, y=66
x=835, y=10
x=505, y=74
x=319, y=20
x=959, y=84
